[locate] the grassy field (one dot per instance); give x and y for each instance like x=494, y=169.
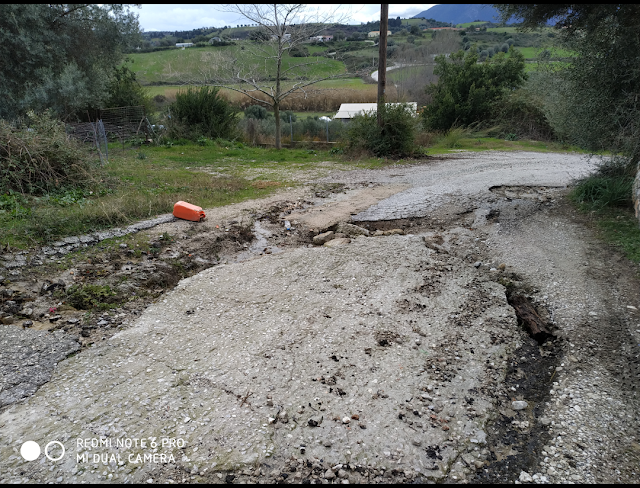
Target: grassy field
x=533, y=52
x=194, y=64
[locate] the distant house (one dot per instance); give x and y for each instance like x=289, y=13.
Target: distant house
x=321, y=38
x=377, y=34
x=214, y=39
x=184, y=44
x=286, y=37
x=349, y=110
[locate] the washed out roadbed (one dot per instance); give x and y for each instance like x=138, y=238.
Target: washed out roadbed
x=249, y=348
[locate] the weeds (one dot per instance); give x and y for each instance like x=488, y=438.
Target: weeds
x=37, y=156
x=87, y=297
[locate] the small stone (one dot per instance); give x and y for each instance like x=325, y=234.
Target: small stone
x=355, y=416
x=502, y=266
x=394, y=232
x=519, y=405
x=545, y=421
x=342, y=473
x=27, y=323
x=525, y=477
x=102, y=323
x=320, y=239
x=367, y=350
x=417, y=442
x=72, y=320
x=123, y=246
x=478, y=464
x=329, y=475
x=271, y=420
x=283, y=416
x=346, y=420
x=8, y=320
x=269, y=402
x=27, y=312
x=315, y=421
x=55, y=318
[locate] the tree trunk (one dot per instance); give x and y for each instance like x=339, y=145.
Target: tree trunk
x=276, y=113
x=276, y=100
x=529, y=318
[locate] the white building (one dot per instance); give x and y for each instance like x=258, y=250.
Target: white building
x=184, y=44
x=349, y=110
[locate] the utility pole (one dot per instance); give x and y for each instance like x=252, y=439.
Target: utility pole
x=382, y=59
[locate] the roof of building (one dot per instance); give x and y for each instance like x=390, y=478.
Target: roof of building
x=349, y=110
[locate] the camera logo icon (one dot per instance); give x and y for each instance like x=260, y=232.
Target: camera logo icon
x=30, y=451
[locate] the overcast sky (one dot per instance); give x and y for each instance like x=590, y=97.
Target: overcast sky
x=180, y=17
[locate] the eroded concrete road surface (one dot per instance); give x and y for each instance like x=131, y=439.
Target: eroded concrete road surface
x=390, y=358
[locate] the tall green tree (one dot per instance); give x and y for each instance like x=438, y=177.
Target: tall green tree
x=595, y=101
x=60, y=56
x=466, y=89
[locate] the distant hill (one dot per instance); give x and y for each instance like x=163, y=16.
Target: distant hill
x=460, y=13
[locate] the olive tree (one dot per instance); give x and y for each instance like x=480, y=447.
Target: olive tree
x=60, y=56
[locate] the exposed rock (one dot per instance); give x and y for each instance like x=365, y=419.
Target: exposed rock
x=351, y=230
x=320, y=239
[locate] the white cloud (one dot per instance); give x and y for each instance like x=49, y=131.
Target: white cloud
x=179, y=17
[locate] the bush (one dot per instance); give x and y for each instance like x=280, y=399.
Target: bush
x=299, y=52
x=256, y=112
x=609, y=186
x=37, y=156
x=467, y=90
x=125, y=91
x=202, y=112
x=395, y=137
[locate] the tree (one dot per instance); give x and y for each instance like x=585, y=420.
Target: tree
x=124, y=90
x=264, y=66
x=466, y=89
x=594, y=102
x=60, y=56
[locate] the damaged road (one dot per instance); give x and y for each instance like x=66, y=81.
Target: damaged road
x=387, y=352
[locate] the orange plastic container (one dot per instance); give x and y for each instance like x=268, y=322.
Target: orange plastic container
x=187, y=211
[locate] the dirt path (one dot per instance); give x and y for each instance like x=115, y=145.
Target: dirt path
x=387, y=358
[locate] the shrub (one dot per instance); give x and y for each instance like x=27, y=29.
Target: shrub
x=125, y=91
x=466, y=89
x=37, y=156
x=395, y=137
x=256, y=112
x=202, y=112
x=609, y=186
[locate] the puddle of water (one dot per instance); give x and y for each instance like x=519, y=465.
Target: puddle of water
x=259, y=244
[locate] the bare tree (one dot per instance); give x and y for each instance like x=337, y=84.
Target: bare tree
x=264, y=68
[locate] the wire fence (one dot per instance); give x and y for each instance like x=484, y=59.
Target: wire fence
x=122, y=124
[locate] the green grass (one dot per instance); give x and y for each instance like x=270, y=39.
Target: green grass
x=129, y=189
x=620, y=228
x=177, y=65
